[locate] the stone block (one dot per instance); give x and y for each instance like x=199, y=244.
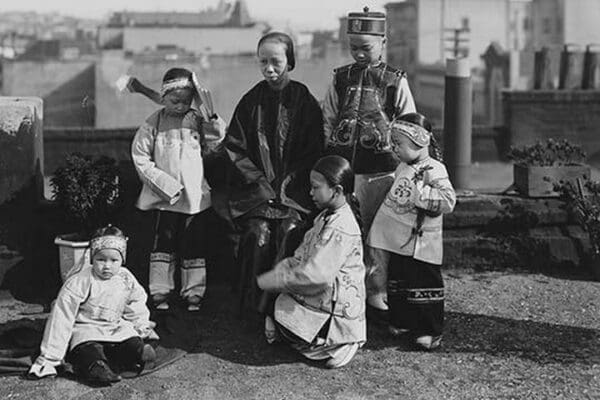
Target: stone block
x=21, y=145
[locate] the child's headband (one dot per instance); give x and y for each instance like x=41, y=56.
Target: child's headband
x=174, y=84
x=416, y=133
x=113, y=242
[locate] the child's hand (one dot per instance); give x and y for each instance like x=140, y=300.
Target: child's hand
x=420, y=174
x=216, y=128
x=41, y=368
x=175, y=198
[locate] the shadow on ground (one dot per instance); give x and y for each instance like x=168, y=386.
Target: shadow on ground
x=503, y=337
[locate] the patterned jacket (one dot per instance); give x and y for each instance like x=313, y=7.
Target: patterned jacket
x=422, y=186
x=167, y=155
x=89, y=308
x=323, y=280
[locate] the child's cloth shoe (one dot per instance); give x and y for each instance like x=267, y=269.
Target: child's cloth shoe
x=194, y=303
x=160, y=301
x=100, y=373
x=429, y=342
x=343, y=357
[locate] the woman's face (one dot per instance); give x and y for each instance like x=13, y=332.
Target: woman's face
x=273, y=63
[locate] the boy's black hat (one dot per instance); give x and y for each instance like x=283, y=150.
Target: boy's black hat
x=366, y=23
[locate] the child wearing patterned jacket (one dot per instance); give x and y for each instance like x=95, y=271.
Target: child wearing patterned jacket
x=405, y=241
x=167, y=152
x=100, y=318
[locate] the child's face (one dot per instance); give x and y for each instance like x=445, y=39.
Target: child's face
x=366, y=49
x=320, y=191
x=406, y=150
x=273, y=63
x=178, y=101
x=106, y=263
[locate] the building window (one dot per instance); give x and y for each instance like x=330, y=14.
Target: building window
x=547, y=25
x=526, y=24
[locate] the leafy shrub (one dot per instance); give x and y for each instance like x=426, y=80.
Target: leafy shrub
x=549, y=153
x=87, y=190
x=583, y=200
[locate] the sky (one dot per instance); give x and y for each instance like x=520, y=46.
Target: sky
x=299, y=14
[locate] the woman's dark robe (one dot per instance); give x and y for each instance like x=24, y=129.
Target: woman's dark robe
x=272, y=135
x=274, y=139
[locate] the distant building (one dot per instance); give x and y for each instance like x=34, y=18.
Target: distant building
x=558, y=22
x=227, y=29
x=59, y=49
x=424, y=31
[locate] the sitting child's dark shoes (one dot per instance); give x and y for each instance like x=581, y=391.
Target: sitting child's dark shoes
x=146, y=361
x=101, y=374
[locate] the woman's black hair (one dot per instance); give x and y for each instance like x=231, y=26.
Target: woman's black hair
x=286, y=40
x=108, y=230
x=176, y=73
x=419, y=119
x=337, y=171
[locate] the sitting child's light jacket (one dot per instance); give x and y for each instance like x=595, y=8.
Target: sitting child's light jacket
x=167, y=154
x=324, y=279
x=91, y=309
x=421, y=186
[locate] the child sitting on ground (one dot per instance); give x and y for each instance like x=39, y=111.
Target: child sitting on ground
x=321, y=308
x=100, y=317
x=167, y=152
x=406, y=235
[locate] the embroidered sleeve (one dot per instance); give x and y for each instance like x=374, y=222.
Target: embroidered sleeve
x=142, y=153
x=236, y=146
x=214, y=132
x=59, y=327
x=316, y=272
x=405, y=102
x=330, y=111
x=135, y=307
x=435, y=193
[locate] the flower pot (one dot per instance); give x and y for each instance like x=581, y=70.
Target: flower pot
x=539, y=181
x=71, y=249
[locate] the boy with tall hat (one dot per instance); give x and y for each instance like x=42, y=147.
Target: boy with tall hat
x=362, y=100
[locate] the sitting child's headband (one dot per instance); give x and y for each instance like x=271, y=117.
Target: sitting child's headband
x=416, y=133
x=366, y=23
x=174, y=84
x=113, y=242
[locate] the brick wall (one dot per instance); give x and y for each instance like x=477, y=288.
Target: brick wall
x=541, y=114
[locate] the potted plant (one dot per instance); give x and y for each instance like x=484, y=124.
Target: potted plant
x=538, y=166
x=583, y=200
x=86, y=189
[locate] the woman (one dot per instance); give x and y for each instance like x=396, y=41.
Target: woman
x=275, y=137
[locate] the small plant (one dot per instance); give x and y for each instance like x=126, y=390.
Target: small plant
x=583, y=199
x=87, y=190
x=549, y=153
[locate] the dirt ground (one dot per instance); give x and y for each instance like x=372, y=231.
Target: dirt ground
x=508, y=336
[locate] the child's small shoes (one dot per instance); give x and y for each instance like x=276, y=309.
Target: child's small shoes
x=100, y=373
x=160, y=301
x=429, y=342
x=194, y=303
